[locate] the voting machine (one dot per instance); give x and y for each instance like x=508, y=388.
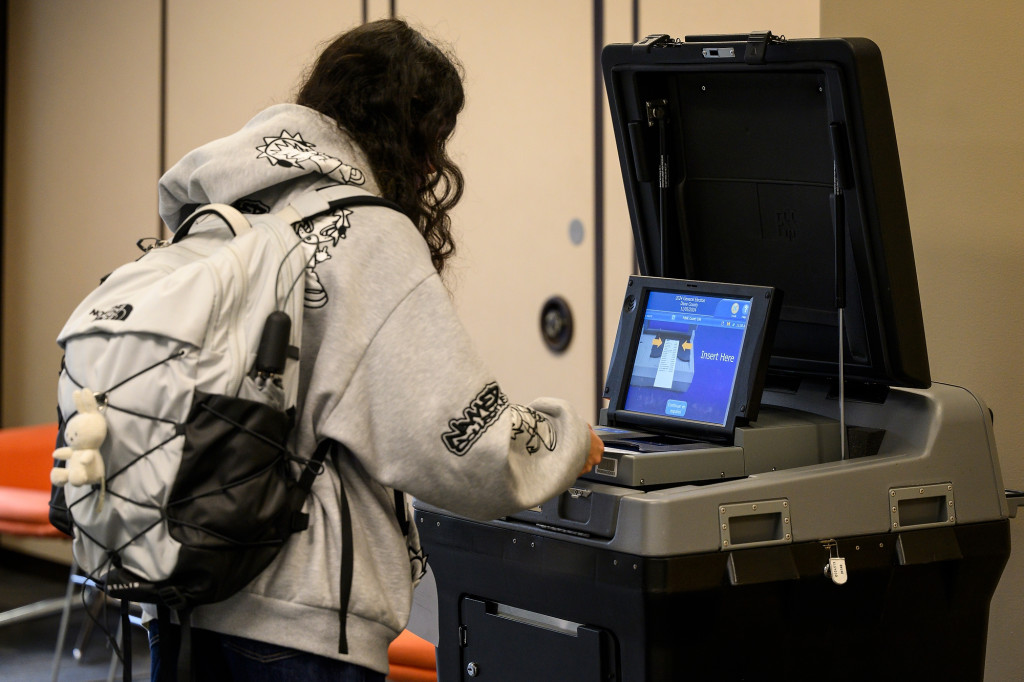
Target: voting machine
x=786, y=492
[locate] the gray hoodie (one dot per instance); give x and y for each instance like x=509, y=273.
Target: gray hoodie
x=387, y=370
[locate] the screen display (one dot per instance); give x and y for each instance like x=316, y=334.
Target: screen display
x=686, y=358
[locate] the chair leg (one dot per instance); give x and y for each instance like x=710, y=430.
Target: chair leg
x=124, y=638
x=40, y=609
x=113, y=656
x=65, y=617
x=95, y=603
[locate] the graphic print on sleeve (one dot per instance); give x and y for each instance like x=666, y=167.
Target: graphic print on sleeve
x=290, y=150
x=536, y=427
x=476, y=418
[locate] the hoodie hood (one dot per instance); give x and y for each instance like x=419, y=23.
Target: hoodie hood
x=285, y=150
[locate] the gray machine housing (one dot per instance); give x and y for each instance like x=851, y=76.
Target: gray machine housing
x=879, y=566
x=936, y=465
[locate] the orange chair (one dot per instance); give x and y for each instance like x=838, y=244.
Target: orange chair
x=411, y=659
x=26, y=457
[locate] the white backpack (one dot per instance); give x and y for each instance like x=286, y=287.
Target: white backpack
x=189, y=357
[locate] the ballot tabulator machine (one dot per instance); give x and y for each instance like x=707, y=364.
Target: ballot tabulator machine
x=765, y=546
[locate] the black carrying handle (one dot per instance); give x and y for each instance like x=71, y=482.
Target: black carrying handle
x=365, y=200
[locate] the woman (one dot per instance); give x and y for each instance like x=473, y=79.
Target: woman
x=387, y=370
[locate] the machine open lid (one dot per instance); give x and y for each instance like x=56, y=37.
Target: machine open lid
x=734, y=150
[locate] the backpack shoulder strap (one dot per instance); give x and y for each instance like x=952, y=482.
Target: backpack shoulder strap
x=325, y=447
x=236, y=222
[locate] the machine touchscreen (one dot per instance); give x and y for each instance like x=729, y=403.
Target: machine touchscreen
x=690, y=356
x=685, y=363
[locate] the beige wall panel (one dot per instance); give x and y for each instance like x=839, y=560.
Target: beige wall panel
x=377, y=9
x=81, y=164
x=957, y=90
x=230, y=59
x=792, y=18
x=525, y=145
x=619, y=253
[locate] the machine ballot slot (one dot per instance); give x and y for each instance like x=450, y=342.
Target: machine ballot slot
x=502, y=642
x=654, y=443
x=781, y=438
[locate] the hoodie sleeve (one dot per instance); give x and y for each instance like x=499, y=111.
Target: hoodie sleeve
x=423, y=415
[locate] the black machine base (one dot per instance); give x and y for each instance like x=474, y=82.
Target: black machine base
x=516, y=606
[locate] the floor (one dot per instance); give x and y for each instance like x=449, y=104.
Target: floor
x=27, y=648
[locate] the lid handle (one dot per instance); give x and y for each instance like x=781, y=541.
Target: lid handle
x=757, y=45
x=651, y=41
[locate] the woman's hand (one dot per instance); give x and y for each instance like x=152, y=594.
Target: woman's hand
x=595, y=454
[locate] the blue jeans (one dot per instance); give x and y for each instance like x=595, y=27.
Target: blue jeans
x=223, y=658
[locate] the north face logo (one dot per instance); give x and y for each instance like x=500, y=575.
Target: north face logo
x=118, y=312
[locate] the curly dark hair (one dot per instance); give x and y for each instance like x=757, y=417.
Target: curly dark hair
x=398, y=96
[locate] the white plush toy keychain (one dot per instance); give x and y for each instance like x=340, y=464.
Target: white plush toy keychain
x=84, y=433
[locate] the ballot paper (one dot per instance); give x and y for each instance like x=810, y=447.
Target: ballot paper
x=667, y=366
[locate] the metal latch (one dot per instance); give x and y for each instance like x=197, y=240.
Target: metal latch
x=657, y=110
x=576, y=493
x=1014, y=499
x=651, y=41
x=836, y=566
x=718, y=53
